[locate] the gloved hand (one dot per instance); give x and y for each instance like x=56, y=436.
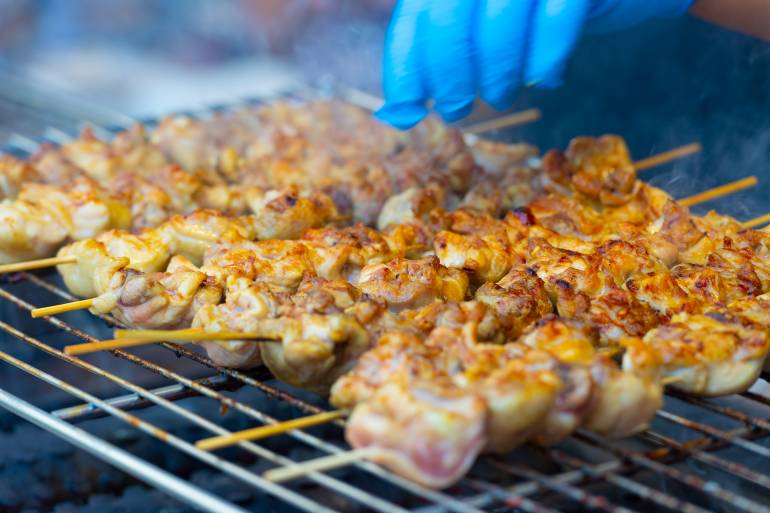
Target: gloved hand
x=450, y=50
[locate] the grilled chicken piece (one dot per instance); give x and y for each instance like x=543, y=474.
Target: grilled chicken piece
x=429, y=432
x=622, y=260
x=279, y=262
x=413, y=205
x=751, y=312
x=163, y=300
x=710, y=354
x=566, y=216
x=365, y=245
x=246, y=305
x=580, y=288
x=457, y=396
x=157, y=195
x=519, y=385
x=595, y=392
x=14, y=173
x=517, y=300
x=81, y=207
x=28, y=231
x=92, y=155
x=44, y=216
x=453, y=315
x=99, y=258
x=403, y=283
x=487, y=257
x=500, y=159
x=314, y=350
x=192, y=235
x=598, y=169
x=286, y=214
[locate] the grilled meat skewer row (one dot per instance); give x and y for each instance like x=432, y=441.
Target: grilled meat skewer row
x=431, y=406
x=129, y=183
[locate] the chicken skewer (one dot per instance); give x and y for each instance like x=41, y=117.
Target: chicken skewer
x=483, y=397
x=495, y=157
x=288, y=232
x=108, y=170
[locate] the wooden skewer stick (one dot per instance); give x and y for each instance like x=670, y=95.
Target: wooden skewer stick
x=718, y=192
x=36, y=264
x=64, y=307
x=192, y=334
x=217, y=442
x=133, y=338
x=515, y=119
x=286, y=473
x=667, y=156
x=668, y=380
x=757, y=221
x=105, y=345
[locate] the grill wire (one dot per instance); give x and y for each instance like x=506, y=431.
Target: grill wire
x=699, y=455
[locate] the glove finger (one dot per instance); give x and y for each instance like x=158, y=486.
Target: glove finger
x=405, y=94
x=556, y=26
x=501, y=36
x=448, y=57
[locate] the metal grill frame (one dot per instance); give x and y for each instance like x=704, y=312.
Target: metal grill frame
x=531, y=491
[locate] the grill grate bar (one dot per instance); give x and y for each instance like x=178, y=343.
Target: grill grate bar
x=510, y=500
x=707, y=487
x=586, y=499
x=640, y=490
x=727, y=411
x=135, y=466
x=717, y=433
x=710, y=459
x=148, y=395
x=128, y=402
x=162, y=435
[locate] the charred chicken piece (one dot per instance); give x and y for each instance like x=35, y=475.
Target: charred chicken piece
x=517, y=300
x=710, y=354
x=162, y=300
x=403, y=283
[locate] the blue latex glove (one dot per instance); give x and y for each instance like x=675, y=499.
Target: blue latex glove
x=451, y=50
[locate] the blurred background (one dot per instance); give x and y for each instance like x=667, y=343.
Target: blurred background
x=661, y=84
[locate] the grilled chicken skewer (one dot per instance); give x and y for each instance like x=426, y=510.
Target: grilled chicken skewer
x=129, y=182
x=431, y=406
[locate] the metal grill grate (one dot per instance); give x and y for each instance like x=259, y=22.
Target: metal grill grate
x=700, y=455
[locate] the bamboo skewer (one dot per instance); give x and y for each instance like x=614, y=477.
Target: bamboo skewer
x=104, y=345
x=190, y=335
x=83, y=304
x=669, y=380
x=218, y=442
x=134, y=338
x=509, y=120
x=36, y=264
x=757, y=221
x=286, y=473
x=667, y=156
x=718, y=192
